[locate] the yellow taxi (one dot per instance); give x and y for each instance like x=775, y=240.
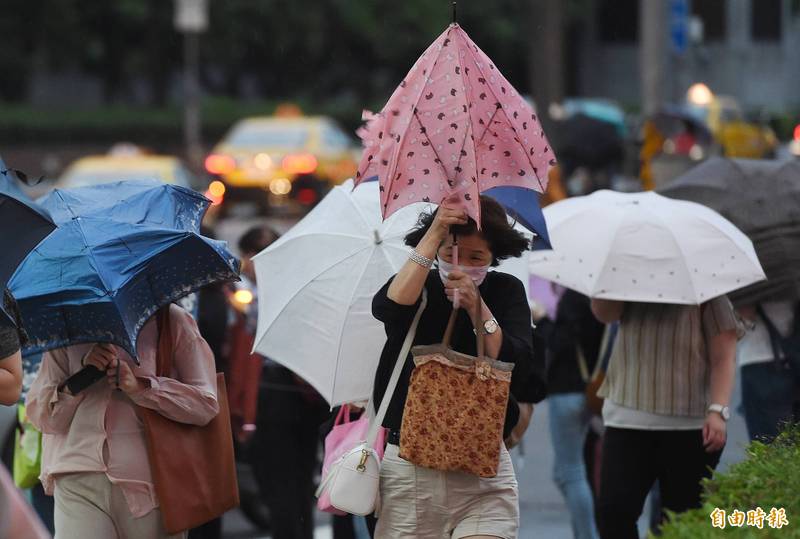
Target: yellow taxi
x=724, y=117
x=285, y=156
x=97, y=169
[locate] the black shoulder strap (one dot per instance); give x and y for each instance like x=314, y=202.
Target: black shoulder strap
x=774, y=334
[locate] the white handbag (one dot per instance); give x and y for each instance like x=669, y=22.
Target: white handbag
x=353, y=482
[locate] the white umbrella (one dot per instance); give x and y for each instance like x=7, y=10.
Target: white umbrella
x=644, y=247
x=315, y=289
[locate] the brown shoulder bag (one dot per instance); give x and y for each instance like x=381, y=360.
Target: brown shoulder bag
x=193, y=467
x=456, y=407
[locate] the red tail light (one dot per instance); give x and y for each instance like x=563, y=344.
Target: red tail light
x=220, y=164
x=303, y=163
x=797, y=132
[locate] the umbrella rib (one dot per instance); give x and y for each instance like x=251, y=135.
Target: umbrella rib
x=433, y=147
x=489, y=87
x=79, y=225
x=285, y=239
x=404, y=132
x=344, y=322
x=302, y=288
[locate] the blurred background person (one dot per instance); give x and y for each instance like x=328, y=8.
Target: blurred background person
x=770, y=391
x=573, y=349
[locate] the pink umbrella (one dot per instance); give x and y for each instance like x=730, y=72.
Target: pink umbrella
x=455, y=127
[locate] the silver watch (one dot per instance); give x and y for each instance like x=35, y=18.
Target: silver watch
x=489, y=327
x=724, y=411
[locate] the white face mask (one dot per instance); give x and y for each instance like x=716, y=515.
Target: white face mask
x=477, y=273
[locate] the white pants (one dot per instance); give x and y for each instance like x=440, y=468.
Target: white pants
x=89, y=506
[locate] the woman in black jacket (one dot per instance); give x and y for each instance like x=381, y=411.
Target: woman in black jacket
x=420, y=502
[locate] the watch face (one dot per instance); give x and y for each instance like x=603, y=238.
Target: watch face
x=726, y=413
x=490, y=326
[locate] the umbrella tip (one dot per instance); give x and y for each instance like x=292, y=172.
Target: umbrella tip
x=455, y=19
x=378, y=239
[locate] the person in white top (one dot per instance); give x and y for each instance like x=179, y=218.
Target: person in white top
x=769, y=390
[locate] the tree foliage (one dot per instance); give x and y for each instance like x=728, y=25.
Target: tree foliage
x=316, y=49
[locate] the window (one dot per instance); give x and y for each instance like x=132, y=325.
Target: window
x=713, y=14
x=765, y=16
x=266, y=135
x=334, y=140
x=618, y=21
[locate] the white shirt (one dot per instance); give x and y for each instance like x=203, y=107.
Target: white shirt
x=622, y=417
x=755, y=346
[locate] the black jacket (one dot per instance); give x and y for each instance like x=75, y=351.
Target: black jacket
x=575, y=325
x=505, y=297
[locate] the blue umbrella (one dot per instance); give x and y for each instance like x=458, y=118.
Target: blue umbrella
x=136, y=201
x=523, y=205
x=10, y=185
x=23, y=227
x=109, y=266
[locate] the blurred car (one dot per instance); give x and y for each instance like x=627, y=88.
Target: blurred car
x=271, y=160
x=737, y=136
x=97, y=169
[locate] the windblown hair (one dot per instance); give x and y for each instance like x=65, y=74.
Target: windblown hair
x=504, y=241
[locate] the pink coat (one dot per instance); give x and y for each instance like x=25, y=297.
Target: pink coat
x=98, y=429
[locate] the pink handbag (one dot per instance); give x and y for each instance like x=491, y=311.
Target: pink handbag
x=344, y=436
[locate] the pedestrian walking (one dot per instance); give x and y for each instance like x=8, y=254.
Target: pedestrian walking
x=770, y=387
x=284, y=430
x=425, y=502
x=95, y=459
x=667, y=392
x=574, y=347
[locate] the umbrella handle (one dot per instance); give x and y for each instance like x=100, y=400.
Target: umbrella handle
x=456, y=302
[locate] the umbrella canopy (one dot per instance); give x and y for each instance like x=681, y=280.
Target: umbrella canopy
x=10, y=185
x=672, y=120
x=753, y=194
x=24, y=226
x=585, y=141
x=316, y=285
x=644, y=247
x=762, y=198
x=599, y=109
x=523, y=205
x=98, y=278
x=135, y=201
x=455, y=127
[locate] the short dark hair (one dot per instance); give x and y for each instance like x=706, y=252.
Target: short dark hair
x=257, y=239
x=504, y=241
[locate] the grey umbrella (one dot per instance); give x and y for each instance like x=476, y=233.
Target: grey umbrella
x=754, y=194
x=762, y=198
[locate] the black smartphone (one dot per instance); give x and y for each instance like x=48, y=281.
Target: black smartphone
x=83, y=379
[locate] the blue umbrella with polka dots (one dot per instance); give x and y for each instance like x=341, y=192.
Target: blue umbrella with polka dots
x=114, y=261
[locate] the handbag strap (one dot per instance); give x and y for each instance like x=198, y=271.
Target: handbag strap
x=164, y=351
x=377, y=421
x=451, y=323
x=775, y=338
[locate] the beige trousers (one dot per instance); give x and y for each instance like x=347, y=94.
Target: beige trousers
x=419, y=503
x=89, y=506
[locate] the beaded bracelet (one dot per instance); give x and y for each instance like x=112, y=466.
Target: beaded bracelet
x=422, y=260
